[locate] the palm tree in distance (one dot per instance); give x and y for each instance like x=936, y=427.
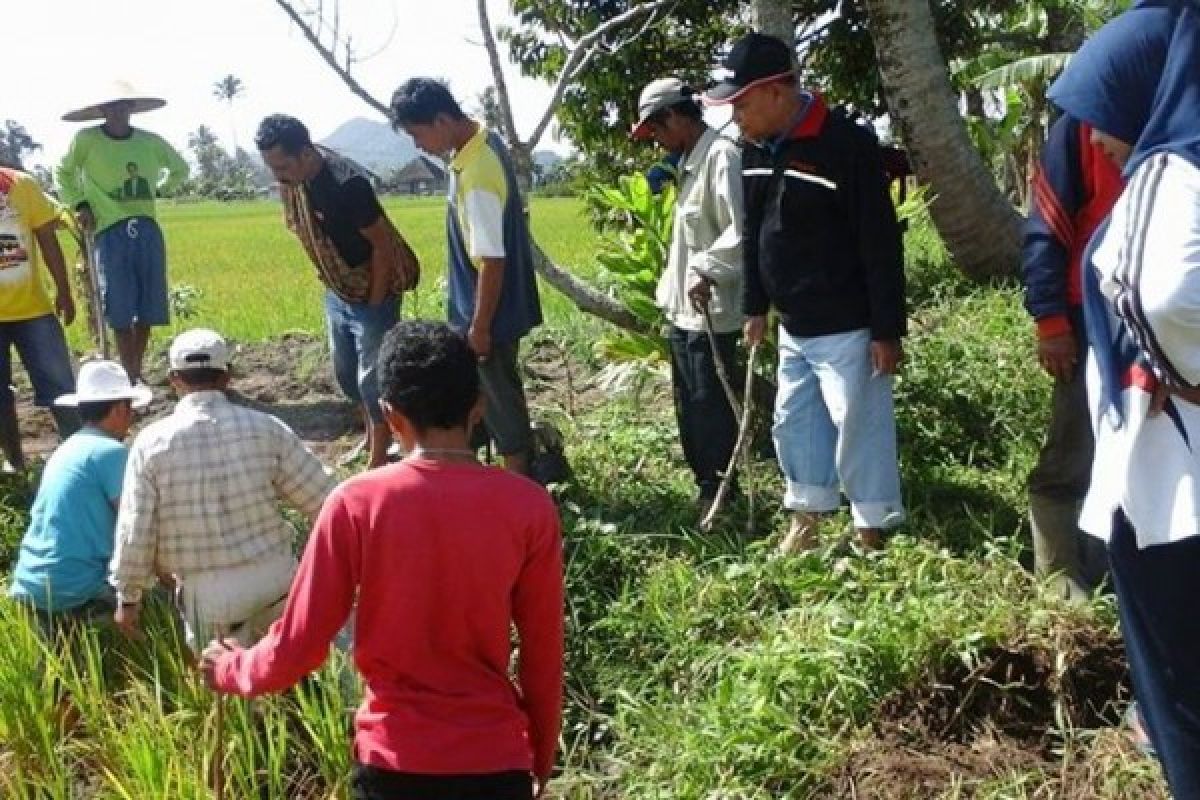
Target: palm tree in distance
x=228, y=89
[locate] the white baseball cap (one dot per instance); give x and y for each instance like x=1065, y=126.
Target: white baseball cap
x=199, y=348
x=658, y=94
x=102, y=382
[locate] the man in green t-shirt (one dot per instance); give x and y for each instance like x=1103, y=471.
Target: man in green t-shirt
x=110, y=177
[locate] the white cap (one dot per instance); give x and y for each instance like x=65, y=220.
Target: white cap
x=104, y=381
x=199, y=348
x=658, y=94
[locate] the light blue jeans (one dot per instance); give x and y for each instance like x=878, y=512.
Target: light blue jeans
x=356, y=331
x=835, y=424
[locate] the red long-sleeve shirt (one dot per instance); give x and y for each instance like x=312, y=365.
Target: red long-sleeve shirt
x=444, y=558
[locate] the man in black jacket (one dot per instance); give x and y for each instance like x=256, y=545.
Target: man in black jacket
x=823, y=248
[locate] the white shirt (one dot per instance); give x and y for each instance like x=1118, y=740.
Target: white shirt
x=202, y=489
x=1149, y=268
x=706, y=241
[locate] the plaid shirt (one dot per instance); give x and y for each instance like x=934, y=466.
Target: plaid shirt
x=202, y=488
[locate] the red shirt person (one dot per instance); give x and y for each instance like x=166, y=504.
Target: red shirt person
x=445, y=556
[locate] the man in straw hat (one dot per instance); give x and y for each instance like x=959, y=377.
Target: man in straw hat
x=202, y=503
x=109, y=177
x=62, y=567
x=28, y=220
x=700, y=289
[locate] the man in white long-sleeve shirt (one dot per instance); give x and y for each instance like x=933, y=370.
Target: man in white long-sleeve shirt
x=704, y=269
x=201, y=503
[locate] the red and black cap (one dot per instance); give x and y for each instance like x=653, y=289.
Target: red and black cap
x=755, y=59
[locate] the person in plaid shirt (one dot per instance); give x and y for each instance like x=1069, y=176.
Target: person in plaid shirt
x=201, y=504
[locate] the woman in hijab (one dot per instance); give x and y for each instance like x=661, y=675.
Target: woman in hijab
x=1137, y=82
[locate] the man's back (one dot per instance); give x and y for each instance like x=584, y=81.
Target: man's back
x=64, y=555
x=443, y=558
x=205, y=484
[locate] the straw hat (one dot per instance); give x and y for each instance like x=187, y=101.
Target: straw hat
x=116, y=91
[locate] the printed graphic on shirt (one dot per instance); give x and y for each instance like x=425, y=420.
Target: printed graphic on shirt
x=15, y=266
x=135, y=187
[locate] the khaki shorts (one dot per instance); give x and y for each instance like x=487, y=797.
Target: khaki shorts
x=239, y=603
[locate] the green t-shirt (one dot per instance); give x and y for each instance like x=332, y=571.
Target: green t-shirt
x=118, y=178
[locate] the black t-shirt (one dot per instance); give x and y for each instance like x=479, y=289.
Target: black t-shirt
x=344, y=203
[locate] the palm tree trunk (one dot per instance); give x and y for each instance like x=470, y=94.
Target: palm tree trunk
x=978, y=224
x=773, y=17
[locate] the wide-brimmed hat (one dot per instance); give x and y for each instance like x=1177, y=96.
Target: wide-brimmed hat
x=199, y=348
x=115, y=92
x=755, y=59
x=658, y=94
x=103, y=382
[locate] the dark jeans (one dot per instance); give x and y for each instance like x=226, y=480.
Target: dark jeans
x=374, y=783
x=506, y=414
x=707, y=425
x=1156, y=597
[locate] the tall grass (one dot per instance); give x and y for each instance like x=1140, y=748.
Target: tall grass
x=699, y=666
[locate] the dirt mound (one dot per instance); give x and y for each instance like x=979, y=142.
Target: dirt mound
x=1001, y=714
x=291, y=377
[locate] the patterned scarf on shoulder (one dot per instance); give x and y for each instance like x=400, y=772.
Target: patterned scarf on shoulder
x=349, y=283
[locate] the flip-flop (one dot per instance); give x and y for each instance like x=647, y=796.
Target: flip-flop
x=1135, y=729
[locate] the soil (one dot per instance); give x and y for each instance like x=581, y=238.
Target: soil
x=1003, y=715
x=291, y=377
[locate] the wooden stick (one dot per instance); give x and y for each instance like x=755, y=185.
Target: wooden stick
x=741, y=448
x=218, y=751
x=722, y=372
x=95, y=302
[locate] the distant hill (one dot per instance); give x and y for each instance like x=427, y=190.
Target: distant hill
x=373, y=144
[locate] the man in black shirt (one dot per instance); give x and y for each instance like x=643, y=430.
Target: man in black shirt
x=363, y=261
x=823, y=248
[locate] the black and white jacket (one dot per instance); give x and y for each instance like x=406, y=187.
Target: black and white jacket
x=822, y=244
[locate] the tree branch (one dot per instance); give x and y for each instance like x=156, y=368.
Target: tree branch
x=489, y=42
x=587, y=298
x=328, y=55
x=581, y=53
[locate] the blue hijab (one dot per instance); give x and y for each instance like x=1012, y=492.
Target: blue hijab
x=1111, y=83
x=1174, y=122
x=1136, y=79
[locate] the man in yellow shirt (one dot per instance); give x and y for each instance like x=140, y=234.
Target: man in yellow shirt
x=110, y=177
x=28, y=220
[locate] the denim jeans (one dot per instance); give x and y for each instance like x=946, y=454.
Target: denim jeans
x=1156, y=598
x=43, y=350
x=707, y=425
x=355, y=332
x=835, y=424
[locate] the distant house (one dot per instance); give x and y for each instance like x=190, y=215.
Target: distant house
x=419, y=176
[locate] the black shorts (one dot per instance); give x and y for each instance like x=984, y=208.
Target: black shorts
x=375, y=783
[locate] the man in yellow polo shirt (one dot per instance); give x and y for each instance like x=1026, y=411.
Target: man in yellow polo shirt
x=28, y=220
x=493, y=290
